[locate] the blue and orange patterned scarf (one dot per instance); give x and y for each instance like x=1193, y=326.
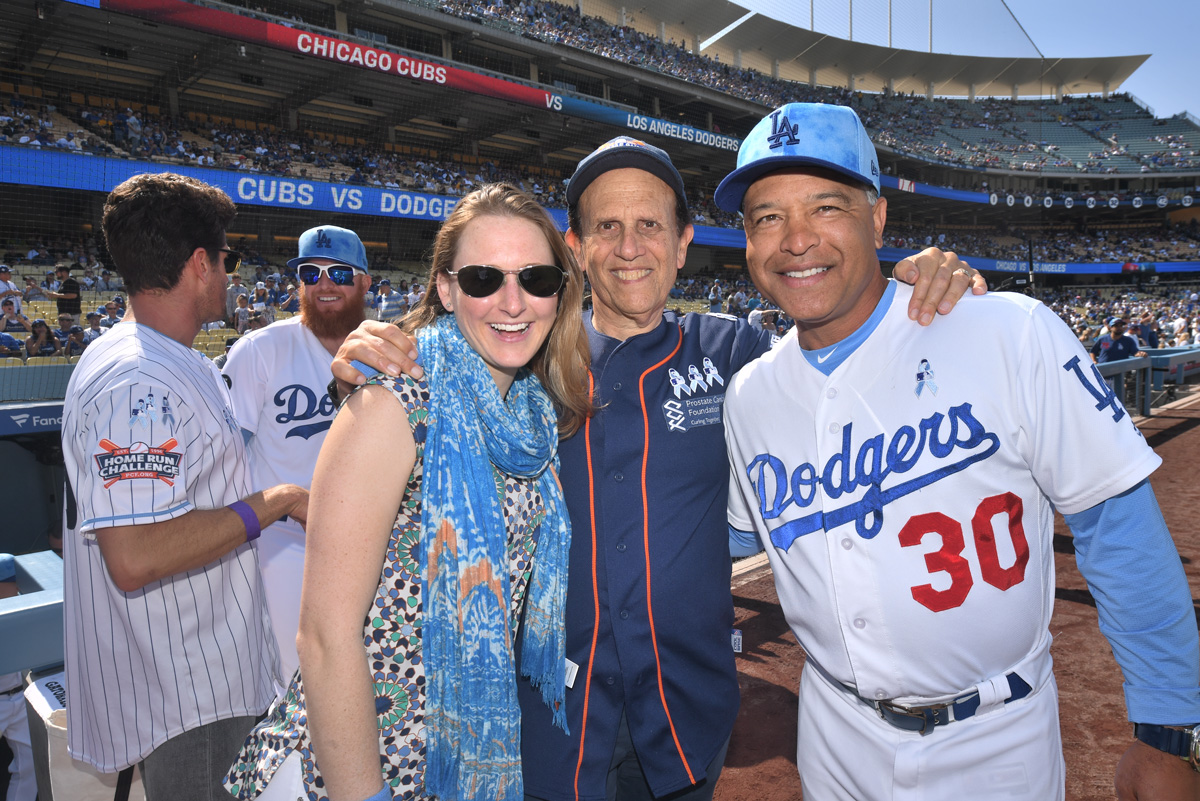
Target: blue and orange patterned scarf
x=472, y=717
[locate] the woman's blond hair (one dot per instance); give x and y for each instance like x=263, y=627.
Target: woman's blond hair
x=561, y=364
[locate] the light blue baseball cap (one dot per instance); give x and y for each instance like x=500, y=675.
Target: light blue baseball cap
x=799, y=134
x=330, y=242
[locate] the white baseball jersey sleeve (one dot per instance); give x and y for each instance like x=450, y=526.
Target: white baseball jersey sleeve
x=906, y=500
x=149, y=435
x=277, y=378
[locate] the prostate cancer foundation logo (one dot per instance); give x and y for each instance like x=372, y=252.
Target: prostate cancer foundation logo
x=699, y=408
x=139, y=460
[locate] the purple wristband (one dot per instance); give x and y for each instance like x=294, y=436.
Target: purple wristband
x=249, y=519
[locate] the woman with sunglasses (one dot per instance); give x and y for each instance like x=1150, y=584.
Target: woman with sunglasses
x=41, y=340
x=421, y=697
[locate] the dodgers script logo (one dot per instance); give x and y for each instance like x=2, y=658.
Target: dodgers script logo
x=139, y=460
x=956, y=440
x=783, y=132
x=301, y=403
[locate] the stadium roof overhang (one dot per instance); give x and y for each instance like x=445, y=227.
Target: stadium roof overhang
x=772, y=33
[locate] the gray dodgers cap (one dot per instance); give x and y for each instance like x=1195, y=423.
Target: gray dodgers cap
x=797, y=135
x=331, y=242
x=619, y=153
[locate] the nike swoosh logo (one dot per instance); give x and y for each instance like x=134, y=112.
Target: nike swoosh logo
x=823, y=359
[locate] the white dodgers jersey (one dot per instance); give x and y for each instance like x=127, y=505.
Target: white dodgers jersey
x=277, y=376
x=148, y=436
x=906, y=500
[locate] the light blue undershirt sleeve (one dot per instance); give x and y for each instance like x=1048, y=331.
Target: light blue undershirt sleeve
x=1126, y=553
x=743, y=543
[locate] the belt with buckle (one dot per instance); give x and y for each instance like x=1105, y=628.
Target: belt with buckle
x=6, y=693
x=923, y=719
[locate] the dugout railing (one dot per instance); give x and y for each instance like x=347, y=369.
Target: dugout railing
x=1151, y=380
x=31, y=624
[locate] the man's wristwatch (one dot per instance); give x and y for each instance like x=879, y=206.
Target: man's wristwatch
x=1180, y=741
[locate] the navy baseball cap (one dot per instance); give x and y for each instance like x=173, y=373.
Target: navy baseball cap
x=616, y=154
x=330, y=242
x=800, y=134
x=385, y=282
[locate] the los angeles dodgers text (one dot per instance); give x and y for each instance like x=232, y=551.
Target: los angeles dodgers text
x=872, y=465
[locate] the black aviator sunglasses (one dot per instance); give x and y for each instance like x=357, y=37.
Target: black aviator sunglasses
x=482, y=280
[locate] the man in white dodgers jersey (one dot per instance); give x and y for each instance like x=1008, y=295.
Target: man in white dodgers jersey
x=904, y=486
x=169, y=651
x=278, y=377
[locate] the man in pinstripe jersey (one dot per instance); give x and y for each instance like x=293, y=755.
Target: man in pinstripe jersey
x=169, y=652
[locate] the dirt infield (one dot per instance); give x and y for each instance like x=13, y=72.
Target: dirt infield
x=761, y=763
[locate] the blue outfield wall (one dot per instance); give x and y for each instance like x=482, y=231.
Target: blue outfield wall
x=53, y=168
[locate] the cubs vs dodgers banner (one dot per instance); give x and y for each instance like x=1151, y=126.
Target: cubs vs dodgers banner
x=34, y=167
x=53, y=168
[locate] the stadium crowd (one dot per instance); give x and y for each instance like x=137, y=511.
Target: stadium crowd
x=270, y=289
x=1158, y=317
x=1016, y=135
x=905, y=123
x=307, y=155
x=1141, y=244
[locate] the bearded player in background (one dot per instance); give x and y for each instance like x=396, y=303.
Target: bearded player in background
x=277, y=377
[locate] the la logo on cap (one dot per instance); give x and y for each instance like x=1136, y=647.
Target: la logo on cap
x=323, y=240
x=781, y=130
